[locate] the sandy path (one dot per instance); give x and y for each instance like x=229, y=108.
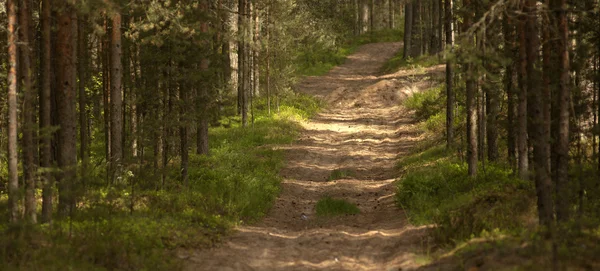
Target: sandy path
x=363, y=132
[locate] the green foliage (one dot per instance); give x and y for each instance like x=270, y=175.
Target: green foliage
x=329, y=206
x=397, y=62
x=337, y=174
x=315, y=60
x=437, y=189
x=137, y=223
x=428, y=103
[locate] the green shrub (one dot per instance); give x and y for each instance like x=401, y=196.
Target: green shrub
x=439, y=191
x=137, y=222
x=333, y=207
x=337, y=174
x=428, y=103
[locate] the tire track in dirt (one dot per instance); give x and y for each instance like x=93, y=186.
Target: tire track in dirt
x=363, y=131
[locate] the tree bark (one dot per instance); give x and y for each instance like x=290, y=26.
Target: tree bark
x=564, y=103
x=28, y=129
x=539, y=137
x=83, y=118
x=66, y=113
x=116, y=97
x=202, y=127
x=522, y=140
x=408, y=19
x=13, y=178
x=183, y=135
x=449, y=79
x=509, y=88
x=45, y=115
x=471, y=104
x=365, y=16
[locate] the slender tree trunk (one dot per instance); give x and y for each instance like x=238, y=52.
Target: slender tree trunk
x=28, y=129
x=539, y=137
x=471, y=105
x=116, y=97
x=436, y=25
x=449, y=79
x=417, y=30
x=242, y=67
x=202, y=128
x=13, y=179
x=509, y=88
x=83, y=118
x=106, y=82
x=408, y=19
x=365, y=16
x=66, y=97
x=564, y=103
x=391, y=13
x=493, y=111
x=45, y=115
x=522, y=141
x=183, y=135
x=268, y=54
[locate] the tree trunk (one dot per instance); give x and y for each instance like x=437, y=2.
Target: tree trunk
x=116, y=97
x=436, y=25
x=242, y=65
x=45, y=109
x=417, y=33
x=183, y=134
x=408, y=19
x=83, y=118
x=449, y=79
x=202, y=126
x=539, y=136
x=564, y=103
x=509, y=88
x=392, y=14
x=471, y=105
x=13, y=177
x=522, y=145
x=268, y=55
x=66, y=113
x=365, y=16
x=28, y=128
x=106, y=82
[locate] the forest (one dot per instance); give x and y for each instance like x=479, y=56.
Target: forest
x=300, y=135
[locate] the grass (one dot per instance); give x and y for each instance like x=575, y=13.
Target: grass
x=488, y=221
x=319, y=61
x=135, y=224
x=397, y=62
x=338, y=174
x=328, y=206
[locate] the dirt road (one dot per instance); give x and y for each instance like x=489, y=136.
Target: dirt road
x=362, y=133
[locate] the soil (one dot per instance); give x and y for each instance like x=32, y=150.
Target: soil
x=362, y=132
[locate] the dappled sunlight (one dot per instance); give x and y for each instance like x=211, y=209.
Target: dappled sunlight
x=347, y=152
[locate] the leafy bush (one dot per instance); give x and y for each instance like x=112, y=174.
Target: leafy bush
x=317, y=59
x=332, y=207
x=137, y=222
x=337, y=174
x=428, y=103
x=439, y=191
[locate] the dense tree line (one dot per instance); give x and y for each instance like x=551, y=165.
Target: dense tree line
x=526, y=90
x=124, y=85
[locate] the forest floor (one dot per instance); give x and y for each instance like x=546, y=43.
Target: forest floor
x=348, y=151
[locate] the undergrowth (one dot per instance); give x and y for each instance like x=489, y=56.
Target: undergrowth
x=329, y=206
x=337, y=174
x=138, y=222
x=318, y=61
x=397, y=61
x=488, y=221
